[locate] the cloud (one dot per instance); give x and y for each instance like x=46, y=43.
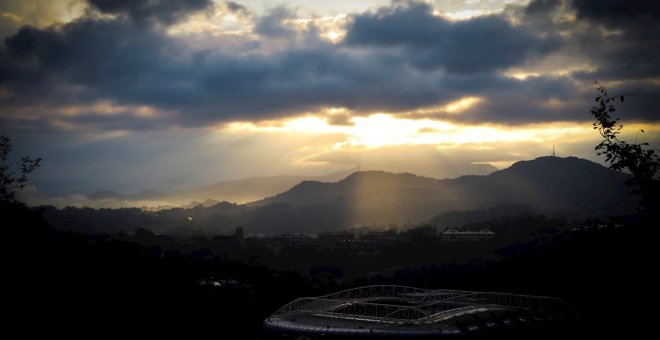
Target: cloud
x=164, y=11
x=617, y=12
x=38, y=13
x=482, y=44
x=236, y=7
x=340, y=118
x=396, y=59
x=272, y=24
x=617, y=38
x=117, y=61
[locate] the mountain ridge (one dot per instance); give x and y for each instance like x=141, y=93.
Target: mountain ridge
x=547, y=185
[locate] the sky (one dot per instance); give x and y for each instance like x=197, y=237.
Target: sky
x=147, y=94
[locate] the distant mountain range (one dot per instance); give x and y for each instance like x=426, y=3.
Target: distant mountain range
x=548, y=185
x=238, y=191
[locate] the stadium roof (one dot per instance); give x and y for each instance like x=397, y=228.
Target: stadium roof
x=406, y=311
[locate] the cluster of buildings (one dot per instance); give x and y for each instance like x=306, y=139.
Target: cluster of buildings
x=345, y=239
x=453, y=235
x=372, y=240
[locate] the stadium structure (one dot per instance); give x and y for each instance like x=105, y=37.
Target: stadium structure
x=404, y=312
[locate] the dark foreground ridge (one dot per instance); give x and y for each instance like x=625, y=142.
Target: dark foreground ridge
x=400, y=312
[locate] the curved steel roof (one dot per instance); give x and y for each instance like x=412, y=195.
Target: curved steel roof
x=408, y=311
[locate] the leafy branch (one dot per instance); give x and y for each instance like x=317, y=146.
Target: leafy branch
x=643, y=163
x=9, y=183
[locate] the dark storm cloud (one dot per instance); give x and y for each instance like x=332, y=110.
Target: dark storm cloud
x=119, y=61
x=400, y=25
x=105, y=56
x=482, y=44
x=515, y=101
x=542, y=7
x=166, y=11
x=617, y=12
x=303, y=79
x=620, y=38
x=399, y=58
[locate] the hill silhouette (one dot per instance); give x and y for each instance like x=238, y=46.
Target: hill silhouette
x=546, y=185
x=550, y=184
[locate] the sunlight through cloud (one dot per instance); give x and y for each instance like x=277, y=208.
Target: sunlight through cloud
x=381, y=129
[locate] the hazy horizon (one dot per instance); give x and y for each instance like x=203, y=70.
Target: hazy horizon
x=240, y=191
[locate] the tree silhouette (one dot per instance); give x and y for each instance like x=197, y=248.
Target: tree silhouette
x=642, y=162
x=9, y=183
